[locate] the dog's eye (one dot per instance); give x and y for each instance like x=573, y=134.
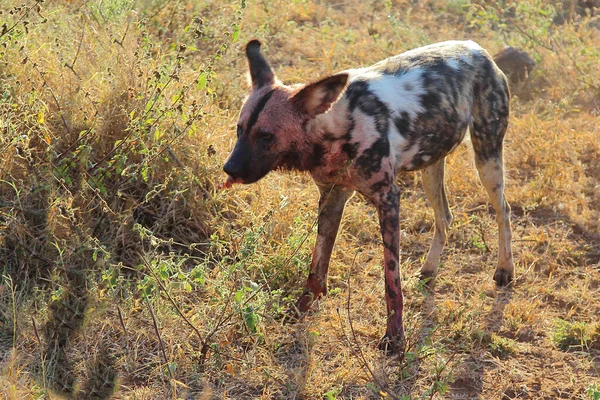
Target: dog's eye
x=265, y=136
x=239, y=131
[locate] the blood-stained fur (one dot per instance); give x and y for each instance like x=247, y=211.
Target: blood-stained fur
x=357, y=129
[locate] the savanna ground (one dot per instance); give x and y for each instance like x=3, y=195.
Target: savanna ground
x=127, y=274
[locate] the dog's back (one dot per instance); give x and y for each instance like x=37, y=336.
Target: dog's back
x=420, y=103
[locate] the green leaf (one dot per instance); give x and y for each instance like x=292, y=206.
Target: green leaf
x=164, y=273
x=197, y=274
x=250, y=319
x=148, y=106
x=202, y=81
x=239, y=296
x=593, y=391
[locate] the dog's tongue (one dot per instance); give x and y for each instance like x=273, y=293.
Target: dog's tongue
x=227, y=184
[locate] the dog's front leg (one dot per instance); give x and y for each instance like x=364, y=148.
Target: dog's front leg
x=387, y=203
x=331, y=208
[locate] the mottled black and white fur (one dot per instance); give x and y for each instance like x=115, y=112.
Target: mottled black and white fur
x=356, y=130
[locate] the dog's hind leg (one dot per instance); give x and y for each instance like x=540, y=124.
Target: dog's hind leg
x=491, y=109
x=433, y=183
x=491, y=173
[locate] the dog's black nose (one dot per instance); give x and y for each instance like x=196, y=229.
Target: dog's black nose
x=231, y=169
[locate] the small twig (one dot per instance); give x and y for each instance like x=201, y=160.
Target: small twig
x=205, y=346
x=35, y=331
x=11, y=285
x=536, y=40
x=177, y=161
x=121, y=320
x=162, y=346
x=120, y=43
x=72, y=66
x=43, y=363
x=482, y=234
x=100, y=10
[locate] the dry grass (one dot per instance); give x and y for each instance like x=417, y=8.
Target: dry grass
x=126, y=274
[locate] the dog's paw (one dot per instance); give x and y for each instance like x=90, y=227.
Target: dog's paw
x=392, y=345
x=503, y=277
x=304, y=306
x=427, y=277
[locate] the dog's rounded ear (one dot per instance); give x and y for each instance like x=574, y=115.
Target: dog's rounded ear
x=261, y=73
x=318, y=97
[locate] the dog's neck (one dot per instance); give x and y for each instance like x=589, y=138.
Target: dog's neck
x=333, y=125
x=326, y=136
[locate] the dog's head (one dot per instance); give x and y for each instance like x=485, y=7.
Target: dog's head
x=272, y=128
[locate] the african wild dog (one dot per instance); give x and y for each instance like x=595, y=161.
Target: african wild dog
x=515, y=63
x=357, y=129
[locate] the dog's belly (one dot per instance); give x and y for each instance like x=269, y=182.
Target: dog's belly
x=427, y=148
